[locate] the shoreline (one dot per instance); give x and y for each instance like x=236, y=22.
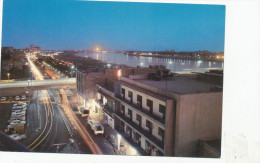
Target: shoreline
x=175, y=58
x=189, y=59
x=84, y=63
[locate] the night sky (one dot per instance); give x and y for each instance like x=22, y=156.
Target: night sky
x=68, y=24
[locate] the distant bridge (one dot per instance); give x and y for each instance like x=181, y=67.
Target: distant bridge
x=64, y=83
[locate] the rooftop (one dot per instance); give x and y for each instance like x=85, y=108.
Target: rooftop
x=184, y=85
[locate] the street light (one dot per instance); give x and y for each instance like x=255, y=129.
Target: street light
x=8, y=74
x=28, y=93
x=72, y=68
x=118, y=143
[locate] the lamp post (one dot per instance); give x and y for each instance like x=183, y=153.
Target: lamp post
x=72, y=68
x=118, y=141
x=8, y=74
x=28, y=91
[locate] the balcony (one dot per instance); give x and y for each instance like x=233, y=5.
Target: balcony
x=142, y=131
x=107, y=109
x=159, y=119
x=132, y=142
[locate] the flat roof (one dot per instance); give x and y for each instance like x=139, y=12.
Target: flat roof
x=180, y=85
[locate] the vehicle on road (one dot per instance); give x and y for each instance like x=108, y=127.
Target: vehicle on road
x=23, y=97
x=17, y=98
x=83, y=111
x=17, y=137
x=20, y=104
x=10, y=98
x=16, y=113
x=3, y=99
x=96, y=126
x=19, y=108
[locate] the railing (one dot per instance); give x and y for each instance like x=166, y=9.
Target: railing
x=132, y=142
x=106, y=108
x=141, y=130
x=161, y=120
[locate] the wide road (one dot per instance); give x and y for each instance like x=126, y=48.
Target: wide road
x=52, y=127
x=78, y=126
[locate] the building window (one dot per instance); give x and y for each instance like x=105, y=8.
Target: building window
x=139, y=101
x=147, y=147
x=162, y=110
x=122, y=109
x=149, y=103
x=130, y=114
x=130, y=95
x=161, y=133
x=149, y=125
x=139, y=119
x=123, y=92
x=109, y=104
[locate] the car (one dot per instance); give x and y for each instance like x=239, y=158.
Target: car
x=23, y=97
x=20, y=104
x=96, y=126
x=16, y=113
x=13, y=136
x=17, y=137
x=10, y=98
x=83, y=111
x=17, y=98
x=3, y=99
x=19, y=108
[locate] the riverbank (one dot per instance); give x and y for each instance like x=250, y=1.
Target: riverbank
x=85, y=62
x=173, y=57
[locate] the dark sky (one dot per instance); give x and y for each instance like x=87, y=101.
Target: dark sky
x=68, y=24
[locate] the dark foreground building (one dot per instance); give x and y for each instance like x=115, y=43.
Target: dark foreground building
x=156, y=112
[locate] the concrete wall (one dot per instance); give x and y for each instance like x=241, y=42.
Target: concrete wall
x=199, y=116
x=169, y=128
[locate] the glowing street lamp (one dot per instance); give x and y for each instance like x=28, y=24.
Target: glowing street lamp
x=118, y=143
x=119, y=73
x=8, y=74
x=72, y=68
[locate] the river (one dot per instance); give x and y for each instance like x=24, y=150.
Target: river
x=175, y=65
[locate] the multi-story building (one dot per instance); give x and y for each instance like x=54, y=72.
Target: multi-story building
x=160, y=113
x=168, y=117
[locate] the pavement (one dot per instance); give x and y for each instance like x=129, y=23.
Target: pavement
x=105, y=146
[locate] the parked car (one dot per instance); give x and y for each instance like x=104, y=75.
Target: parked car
x=23, y=97
x=3, y=99
x=17, y=122
x=83, y=111
x=96, y=126
x=19, y=108
x=17, y=98
x=20, y=104
x=10, y=98
x=17, y=137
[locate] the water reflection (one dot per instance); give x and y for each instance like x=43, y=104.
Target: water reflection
x=175, y=65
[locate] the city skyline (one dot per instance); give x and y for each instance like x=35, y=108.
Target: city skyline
x=113, y=25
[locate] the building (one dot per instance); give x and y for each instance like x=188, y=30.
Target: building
x=156, y=112
x=86, y=81
x=34, y=48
